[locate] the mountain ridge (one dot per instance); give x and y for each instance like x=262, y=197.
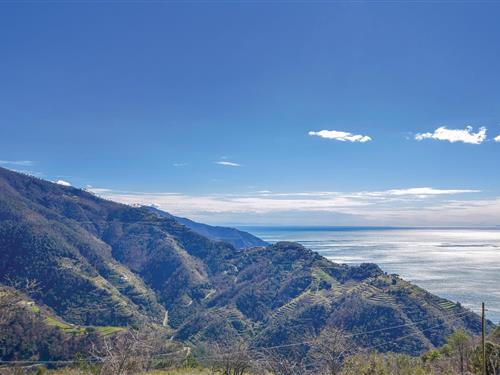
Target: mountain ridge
x=103, y=263
x=238, y=238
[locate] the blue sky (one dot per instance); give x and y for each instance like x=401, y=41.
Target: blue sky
x=215, y=110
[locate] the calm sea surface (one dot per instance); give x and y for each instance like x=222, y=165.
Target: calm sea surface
x=459, y=264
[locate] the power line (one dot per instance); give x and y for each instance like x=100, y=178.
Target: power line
x=408, y=324
x=394, y=327
x=412, y=334
x=364, y=333
x=309, y=342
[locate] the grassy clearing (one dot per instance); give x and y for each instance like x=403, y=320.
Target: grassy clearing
x=108, y=330
x=57, y=323
x=80, y=330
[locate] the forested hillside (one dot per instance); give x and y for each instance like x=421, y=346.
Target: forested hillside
x=239, y=239
x=97, y=263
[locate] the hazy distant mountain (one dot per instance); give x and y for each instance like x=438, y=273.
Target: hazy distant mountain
x=239, y=239
x=102, y=263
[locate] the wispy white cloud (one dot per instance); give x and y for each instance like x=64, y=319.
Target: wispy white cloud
x=180, y=164
x=466, y=135
x=23, y=163
x=412, y=206
x=418, y=192
x=424, y=191
x=227, y=163
x=62, y=182
x=341, y=136
x=469, y=212
x=497, y=138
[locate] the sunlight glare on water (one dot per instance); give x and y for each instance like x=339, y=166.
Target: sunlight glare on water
x=459, y=264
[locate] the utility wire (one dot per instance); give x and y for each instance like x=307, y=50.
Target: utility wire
x=309, y=342
x=364, y=333
x=411, y=334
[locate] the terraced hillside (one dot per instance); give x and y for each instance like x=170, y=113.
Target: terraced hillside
x=100, y=263
x=284, y=293
x=32, y=331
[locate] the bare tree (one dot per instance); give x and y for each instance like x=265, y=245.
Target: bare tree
x=134, y=351
x=230, y=357
x=282, y=362
x=329, y=350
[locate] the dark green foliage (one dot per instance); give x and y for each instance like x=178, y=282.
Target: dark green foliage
x=28, y=333
x=102, y=263
x=235, y=237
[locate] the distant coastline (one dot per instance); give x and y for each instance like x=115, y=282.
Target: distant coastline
x=318, y=228
x=458, y=263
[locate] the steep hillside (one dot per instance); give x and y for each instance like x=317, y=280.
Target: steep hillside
x=239, y=239
x=284, y=293
x=106, y=264
x=97, y=261
x=34, y=332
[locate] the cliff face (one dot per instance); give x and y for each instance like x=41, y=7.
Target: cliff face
x=102, y=263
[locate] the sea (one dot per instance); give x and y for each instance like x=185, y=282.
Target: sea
x=460, y=264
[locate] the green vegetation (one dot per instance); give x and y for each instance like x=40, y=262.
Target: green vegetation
x=70, y=328
x=235, y=237
x=67, y=328
x=327, y=355
x=105, y=331
x=101, y=268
